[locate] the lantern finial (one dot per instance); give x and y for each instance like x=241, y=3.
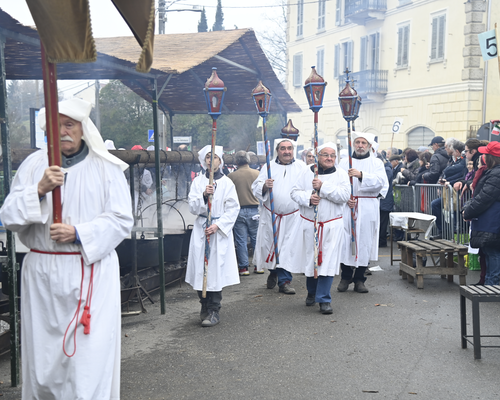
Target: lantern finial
x=289, y=131
x=262, y=98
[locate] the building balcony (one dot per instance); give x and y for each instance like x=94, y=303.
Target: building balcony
x=370, y=84
x=358, y=11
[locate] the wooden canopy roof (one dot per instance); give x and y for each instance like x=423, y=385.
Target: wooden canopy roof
x=182, y=63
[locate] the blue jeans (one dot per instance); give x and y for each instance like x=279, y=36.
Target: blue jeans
x=245, y=227
x=283, y=275
x=492, y=265
x=320, y=288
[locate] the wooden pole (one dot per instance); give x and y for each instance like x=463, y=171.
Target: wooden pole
x=49, y=71
x=209, y=205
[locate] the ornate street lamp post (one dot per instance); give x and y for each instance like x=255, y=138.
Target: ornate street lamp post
x=349, y=105
x=214, y=92
x=315, y=90
x=262, y=99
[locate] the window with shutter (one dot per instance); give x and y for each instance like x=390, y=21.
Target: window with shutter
x=403, y=46
x=300, y=17
x=438, y=36
x=320, y=60
x=297, y=70
x=336, y=66
x=321, y=14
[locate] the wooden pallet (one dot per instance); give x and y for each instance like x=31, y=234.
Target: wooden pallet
x=439, y=252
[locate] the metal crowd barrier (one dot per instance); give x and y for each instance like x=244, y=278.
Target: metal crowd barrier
x=419, y=198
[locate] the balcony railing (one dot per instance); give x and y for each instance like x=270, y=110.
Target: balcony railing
x=359, y=10
x=369, y=82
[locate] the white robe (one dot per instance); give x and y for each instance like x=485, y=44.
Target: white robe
x=96, y=200
x=222, y=265
x=334, y=193
x=373, y=184
x=284, y=178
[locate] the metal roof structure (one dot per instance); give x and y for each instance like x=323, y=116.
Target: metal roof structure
x=182, y=63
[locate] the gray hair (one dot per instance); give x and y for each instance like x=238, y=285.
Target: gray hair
x=450, y=143
x=241, y=158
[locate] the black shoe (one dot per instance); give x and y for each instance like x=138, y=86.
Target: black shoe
x=360, y=287
x=325, y=308
x=203, y=312
x=212, y=319
x=343, y=285
x=436, y=237
x=286, y=288
x=272, y=281
x=310, y=300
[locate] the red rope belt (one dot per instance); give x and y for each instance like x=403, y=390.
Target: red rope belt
x=354, y=216
x=270, y=255
x=85, y=320
x=320, y=235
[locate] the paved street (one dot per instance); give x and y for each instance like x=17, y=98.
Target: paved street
x=395, y=342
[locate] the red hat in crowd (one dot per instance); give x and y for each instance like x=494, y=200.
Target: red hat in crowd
x=137, y=147
x=493, y=148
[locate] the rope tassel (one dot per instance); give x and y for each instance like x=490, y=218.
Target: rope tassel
x=85, y=321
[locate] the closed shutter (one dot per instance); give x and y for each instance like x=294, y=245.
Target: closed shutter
x=338, y=4
x=297, y=70
x=349, y=55
x=376, y=52
x=406, y=40
x=320, y=61
x=441, y=37
x=420, y=136
x=336, y=66
x=362, y=54
x=434, y=38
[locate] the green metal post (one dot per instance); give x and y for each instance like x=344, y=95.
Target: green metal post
x=12, y=267
x=158, y=196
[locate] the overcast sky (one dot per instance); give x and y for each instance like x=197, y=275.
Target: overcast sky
x=106, y=21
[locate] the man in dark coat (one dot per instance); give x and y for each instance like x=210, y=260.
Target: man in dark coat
x=439, y=160
x=386, y=204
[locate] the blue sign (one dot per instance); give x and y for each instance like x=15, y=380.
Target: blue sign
x=151, y=135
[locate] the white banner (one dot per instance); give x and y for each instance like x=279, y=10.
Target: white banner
x=396, y=126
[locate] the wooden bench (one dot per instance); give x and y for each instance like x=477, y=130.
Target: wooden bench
x=476, y=294
x=443, y=264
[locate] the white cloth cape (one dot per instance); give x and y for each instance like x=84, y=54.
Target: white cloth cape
x=374, y=183
x=96, y=200
x=334, y=193
x=222, y=265
x=284, y=178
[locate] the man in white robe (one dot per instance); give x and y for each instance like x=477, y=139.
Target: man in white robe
x=369, y=185
x=284, y=172
x=329, y=192
x=70, y=289
x=222, y=265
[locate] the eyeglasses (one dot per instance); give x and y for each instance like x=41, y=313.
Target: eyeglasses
x=327, y=155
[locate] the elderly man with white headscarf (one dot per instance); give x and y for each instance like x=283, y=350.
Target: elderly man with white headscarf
x=222, y=264
x=332, y=192
x=284, y=172
x=369, y=185
x=71, y=273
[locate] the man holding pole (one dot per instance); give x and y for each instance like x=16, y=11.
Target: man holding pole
x=222, y=268
x=369, y=185
x=329, y=192
x=284, y=172
x=70, y=287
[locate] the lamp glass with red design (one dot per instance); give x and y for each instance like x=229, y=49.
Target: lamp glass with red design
x=315, y=90
x=214, y=92
x=349, y=101
x=262, y=99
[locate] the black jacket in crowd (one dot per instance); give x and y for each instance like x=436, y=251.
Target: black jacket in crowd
x=439, y=161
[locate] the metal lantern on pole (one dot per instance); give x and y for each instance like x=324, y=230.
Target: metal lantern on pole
x=315, y=91
x=262, y=99
x=350, y=103
x=214, y=92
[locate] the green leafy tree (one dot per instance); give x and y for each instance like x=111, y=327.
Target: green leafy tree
x=203, y=25
x=219, y=18
x=125, y=116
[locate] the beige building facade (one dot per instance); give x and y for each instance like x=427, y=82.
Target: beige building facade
x=418, y=61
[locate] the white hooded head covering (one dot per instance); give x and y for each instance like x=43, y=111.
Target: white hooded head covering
x=79, y=110
x=207, y=149
x=370, y=138
x=303, y=155
x=109, y=144
x=331, y=145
